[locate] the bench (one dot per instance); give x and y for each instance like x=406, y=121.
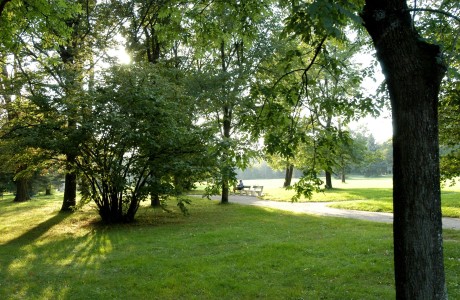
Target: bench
x=250, y=191
x=257, y=190
x=246, y=190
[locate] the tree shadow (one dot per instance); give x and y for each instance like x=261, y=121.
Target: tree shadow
x=32, y=264
x=39, y=230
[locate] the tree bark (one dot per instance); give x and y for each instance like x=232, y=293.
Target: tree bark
x=328, y=180
x=22, y=190
x=227, y=125
x=288, y=175
x=413, y=73
x=155, y=200
x=48, y=190
x=70, y=187
x=225, y=174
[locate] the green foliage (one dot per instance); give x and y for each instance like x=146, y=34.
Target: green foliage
x=449, y=112
x=318, y=18
x=228, y=44
x=308, y=105
x=442, y=29
x=47, y=17
x=371, y=159
x=308, y=184
x=137, y=141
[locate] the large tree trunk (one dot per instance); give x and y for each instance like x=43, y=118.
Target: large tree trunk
x=413, y=73
x=288, y=175
x=22, y=190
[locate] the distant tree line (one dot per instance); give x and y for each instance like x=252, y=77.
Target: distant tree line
x=367, y=158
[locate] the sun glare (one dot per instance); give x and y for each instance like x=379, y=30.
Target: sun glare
x=121, y=54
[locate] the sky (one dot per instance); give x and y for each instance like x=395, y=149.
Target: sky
x=381, y=127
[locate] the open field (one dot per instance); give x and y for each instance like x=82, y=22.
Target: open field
x=224, y=252
x=358, y=193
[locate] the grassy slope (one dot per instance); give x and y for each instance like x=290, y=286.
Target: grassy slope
x=218, y=252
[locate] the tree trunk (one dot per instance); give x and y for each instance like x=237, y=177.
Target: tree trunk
x=288, y=175
x=22, y=190
x=70, y=187
x=413, y=73
x=48, y=190
x=226, y=166
x=328, y=180
x=227, y=125
x=155, y=200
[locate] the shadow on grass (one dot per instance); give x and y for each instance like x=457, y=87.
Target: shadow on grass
x=10, y=208
x=33, y=234
x=34, y=264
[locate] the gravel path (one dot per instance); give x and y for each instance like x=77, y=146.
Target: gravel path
x=322, y=209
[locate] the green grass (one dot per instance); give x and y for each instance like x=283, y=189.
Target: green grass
x=217, y=252
x=359, y=193
x=381, y=200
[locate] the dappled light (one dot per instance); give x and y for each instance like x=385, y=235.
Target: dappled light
x=114, y=113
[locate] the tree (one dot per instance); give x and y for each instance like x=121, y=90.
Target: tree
x=137, y=140
x=413, y=70
x=310, y=103
x=10, y=87
x=153, y=33
x=58, y=62
x=30, y=31
x=229, y=44
x=154, y=30
x=335, y=99
x=369, y=157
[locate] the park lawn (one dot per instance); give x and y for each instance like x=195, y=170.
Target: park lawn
x=360, y=193
x=354, y=188
x=450, y=202
x=216, y=252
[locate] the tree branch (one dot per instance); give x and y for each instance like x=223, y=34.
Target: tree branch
x=305, y=70
x=437, y=11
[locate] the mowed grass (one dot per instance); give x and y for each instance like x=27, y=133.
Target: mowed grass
x=217, y=252
x=359, y=193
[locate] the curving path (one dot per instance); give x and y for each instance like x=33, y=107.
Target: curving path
x=322, y=209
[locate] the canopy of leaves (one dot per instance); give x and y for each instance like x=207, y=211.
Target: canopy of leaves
x=137, y=139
